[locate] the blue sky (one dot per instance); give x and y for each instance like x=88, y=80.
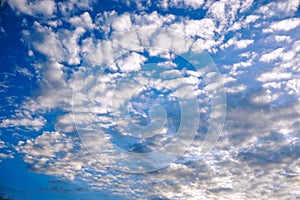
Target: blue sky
x=162, y=99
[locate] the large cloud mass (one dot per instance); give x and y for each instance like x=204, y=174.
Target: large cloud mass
x=255, y=47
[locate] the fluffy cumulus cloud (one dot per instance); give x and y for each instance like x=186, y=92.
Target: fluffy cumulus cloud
x=45, y=7
x=285, y=25
x=191, y=4
x=83, y=20
x=279, y=9
x=30, y=123
x=93, y=61
x=239, y=44
x=231, y=169
x=51, y=147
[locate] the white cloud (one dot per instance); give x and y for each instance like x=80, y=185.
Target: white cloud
x=193, y=4
x=67, y=7
x=28, y=123
x=53, y=75
x=282, y=38
x=236, y=89
x=98, y=52
x=83, y=20
x=280, y=82
x=217, y=10
x=71, y=46
x=48, y=144
x=206, y=176
x=238, y=44
x=54, y=148
x=122, y=23
x=5, y=151
x=245, y=22
x=25, y=72
x=21, y=5
x=241, y=44
x=293, y=87
x=246, y=5
x=203, y=28
x=271, y=76
x=43, y=7
x=279, y=9
x=251, y=19
x=248, y=54
x=266, y=97
x=44, y=40
x=268, y=57
x=3, y=156
x=54, y=90
x=235, y=157
x=236, y=66
x=285, y=25
x=132, y=62
x=224, y=13
x=285, y=56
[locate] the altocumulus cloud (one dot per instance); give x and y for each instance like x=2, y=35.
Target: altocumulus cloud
x=256, y=48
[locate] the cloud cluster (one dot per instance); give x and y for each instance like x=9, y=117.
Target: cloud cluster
x=240, y=161
x=257, y=56
x=45, y=8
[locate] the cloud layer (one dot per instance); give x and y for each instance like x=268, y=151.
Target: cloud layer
x=255, y=47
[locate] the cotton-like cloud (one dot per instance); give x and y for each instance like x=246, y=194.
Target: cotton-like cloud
x=281, y=38
x=44, y=7
x=239, y=44
x=279, y=9
x=261, y=81
x=165, y=4
x=239, y=154
x=285, y=25
x=83, y=20
x=272, y=55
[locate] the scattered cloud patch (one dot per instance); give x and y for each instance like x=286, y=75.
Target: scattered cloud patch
x=189, y=4
x=260, y=73
x=83, y=20
x=45, y=8
x=238, y=44
x=285, y=25
x=28, y=123
x=280, y=9
x=268, y=57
